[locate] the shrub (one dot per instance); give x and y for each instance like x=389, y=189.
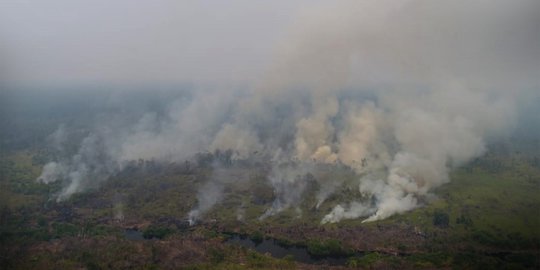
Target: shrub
x=257, y=237
x=257, y=260
x=216, y=255
x=465, y=220
x=64, y=229
x=366, y=260
x=441, y=219
x=437, y=259
x=326, y=248
x=156, y=232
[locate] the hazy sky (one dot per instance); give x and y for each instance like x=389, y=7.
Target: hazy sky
x=85, y=41
x=133, y=41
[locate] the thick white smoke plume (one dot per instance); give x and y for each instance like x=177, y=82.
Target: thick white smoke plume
x=399, y=91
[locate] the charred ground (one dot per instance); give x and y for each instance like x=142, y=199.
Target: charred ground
x=486, y=217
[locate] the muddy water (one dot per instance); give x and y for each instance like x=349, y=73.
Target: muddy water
x=272, y=247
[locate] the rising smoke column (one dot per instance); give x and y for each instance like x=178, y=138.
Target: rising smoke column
x=208, y=195
x=439, y=76
x=91, y=165
x=399, y=91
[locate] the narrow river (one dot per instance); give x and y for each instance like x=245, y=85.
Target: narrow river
x=276, y=250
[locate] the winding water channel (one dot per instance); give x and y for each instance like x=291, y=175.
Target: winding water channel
x=276, y=250
x=266, y=246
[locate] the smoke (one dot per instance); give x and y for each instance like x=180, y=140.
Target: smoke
x=51, y=172
x=86, y=169
x=209, y=194
x=212, y=191
x=188, y=127
x=289, y=181
x=243, y=141
x=118, y=207
x=400, y=92
x=241, y=212
x=353, y=211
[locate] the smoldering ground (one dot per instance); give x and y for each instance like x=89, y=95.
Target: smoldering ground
x=400, y=92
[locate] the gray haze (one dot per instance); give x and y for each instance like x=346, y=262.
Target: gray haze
x=125, y=41
x=400, y=92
